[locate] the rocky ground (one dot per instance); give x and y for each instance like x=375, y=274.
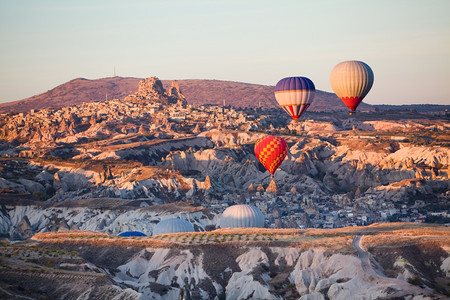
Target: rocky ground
x=205, y=167
x=335, y=264
x=137, y=147
x=126, y=164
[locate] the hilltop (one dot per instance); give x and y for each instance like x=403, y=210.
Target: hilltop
x=196, y=91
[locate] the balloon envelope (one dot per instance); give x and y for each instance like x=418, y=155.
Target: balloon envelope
x=172, y=225
x=271, y=151
x=132, y=233
x=295, y=95
x=242, y=215
x=351, y=81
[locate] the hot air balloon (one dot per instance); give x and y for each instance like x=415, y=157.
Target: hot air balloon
x=172, y=226
x=295, y=95
x=271, y=151
x=131, y=233
x=242, y=215
x=351, y=81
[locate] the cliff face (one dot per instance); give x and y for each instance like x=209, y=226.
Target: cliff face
x=250, y=273
x=249, y=264
x=106, y=215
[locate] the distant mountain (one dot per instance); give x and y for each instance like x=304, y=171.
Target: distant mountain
x=239, y=94
x=75, y=92
x=197, y=91
x=416, y=107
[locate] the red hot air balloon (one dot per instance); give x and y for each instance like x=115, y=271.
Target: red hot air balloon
x=351, y=81
x=271, y=151
x=295, y=95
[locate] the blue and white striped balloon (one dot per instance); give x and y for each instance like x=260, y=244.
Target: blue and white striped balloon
x=295, y=95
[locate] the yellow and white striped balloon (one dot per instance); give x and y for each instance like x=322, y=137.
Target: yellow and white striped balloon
x=351, y=81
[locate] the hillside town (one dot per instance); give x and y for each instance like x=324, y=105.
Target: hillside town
x=169, y=115
x=317, y=210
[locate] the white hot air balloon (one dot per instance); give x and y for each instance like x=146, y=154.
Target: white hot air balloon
x=172, y=226
x=351, y=81
x=242, y=215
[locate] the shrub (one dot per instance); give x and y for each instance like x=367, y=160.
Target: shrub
x=416, y=280
x=40, y=195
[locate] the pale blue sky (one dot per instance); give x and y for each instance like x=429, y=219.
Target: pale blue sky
x=406, y=42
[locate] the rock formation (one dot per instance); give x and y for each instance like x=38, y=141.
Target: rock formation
x=175, y=94
x=272, y=188
x=22, y=230
x=207, y=183
x=260, y=188
x=151, y=89
x=196, y=129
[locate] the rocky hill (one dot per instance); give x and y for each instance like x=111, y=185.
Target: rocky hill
x=415, y=107
x=196, y=91
x=382, y=261
x=75, y=92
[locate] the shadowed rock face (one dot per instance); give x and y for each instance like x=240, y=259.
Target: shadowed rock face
x=289, y=267
x=23, y=230
x=106, y=215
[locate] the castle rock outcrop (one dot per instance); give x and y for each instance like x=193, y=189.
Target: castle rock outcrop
x=151, y=89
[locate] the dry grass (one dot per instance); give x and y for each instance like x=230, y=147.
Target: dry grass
x=398, y=240
x=408, y=237
x=403, y=234
x=406, y=234
x=333, y=244
x=339, y=239
x=367, y=145
x=96, y=239
x=90, y=165
x=289, y=231
x=76, y=234
x=175, y=207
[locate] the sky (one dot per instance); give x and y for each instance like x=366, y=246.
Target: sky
x=406, y=43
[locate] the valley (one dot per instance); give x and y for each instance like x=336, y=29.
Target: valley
x=352, y=210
